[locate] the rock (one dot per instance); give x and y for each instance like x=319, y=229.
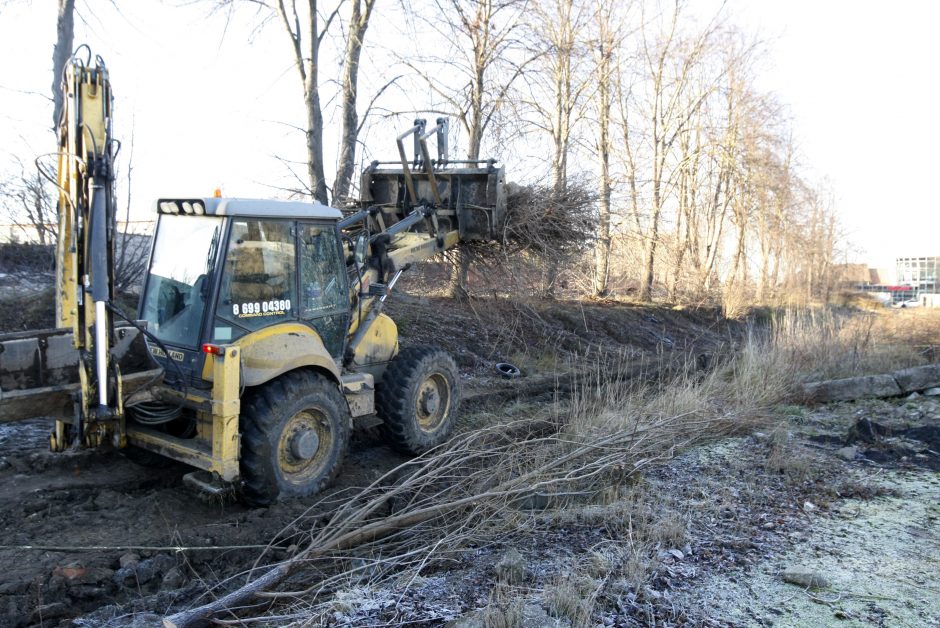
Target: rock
x=912, y=396
x=918, y=377
x=848, y=453
x=867, y=431
x=809, y=506
x=852, y=388
x=47, y=612
x=162, y=563
x=106, y=499
x=87, y=592
x=173, y=579
x=511, y=567
x=802, y=577
x=75, y=574
x=534, y=616
x=129, y=559
x=135, y=574
x=14, y=588
x=932, y=392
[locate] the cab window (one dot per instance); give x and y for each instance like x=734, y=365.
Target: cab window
x=258, y=286
x=322, y=277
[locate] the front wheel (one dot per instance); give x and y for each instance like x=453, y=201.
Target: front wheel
x=295, y=430
x=417, y=399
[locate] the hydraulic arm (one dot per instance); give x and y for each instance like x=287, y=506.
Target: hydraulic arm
x=84, y=264
x=410, y=211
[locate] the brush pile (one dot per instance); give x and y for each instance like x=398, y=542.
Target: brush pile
x=547, y=221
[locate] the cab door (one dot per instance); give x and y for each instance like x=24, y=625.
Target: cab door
x=324, y=293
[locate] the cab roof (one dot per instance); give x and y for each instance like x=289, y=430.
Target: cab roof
x=248, y=207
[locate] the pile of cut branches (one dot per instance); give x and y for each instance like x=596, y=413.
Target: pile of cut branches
x=548, y=221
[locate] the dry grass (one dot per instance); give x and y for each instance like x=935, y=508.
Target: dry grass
x=503, y=610
x=572, y=597
x=825, y=343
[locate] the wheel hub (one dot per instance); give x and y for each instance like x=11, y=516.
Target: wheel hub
x=304, y=444
x=430, y=401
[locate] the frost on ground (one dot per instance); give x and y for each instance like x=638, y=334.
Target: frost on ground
x=880, y=558
x=878, y=547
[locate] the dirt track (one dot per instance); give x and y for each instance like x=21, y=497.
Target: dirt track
x=100, y=499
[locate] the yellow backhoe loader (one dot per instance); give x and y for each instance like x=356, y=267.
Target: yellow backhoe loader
x=260, y=338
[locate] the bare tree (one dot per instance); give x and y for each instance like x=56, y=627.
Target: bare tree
x=604, y=47
x=131, y=249
x=360, y=13
x=304, y=30
x=27, y=198
x=556, y=90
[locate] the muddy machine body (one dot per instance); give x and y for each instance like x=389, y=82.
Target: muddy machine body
x=260, y=338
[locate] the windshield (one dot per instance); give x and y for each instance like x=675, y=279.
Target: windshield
x=178, y=286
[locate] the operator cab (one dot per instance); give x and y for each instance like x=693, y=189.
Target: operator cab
x=221, y=269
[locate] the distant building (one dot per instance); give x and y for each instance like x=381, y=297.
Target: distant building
x=852, y=273
x=912, y=279
x=919, y=272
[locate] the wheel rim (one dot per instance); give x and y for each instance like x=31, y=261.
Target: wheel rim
x=303, y=449
x=432, y=403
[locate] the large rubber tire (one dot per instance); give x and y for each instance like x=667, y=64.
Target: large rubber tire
x=277, y=421
x=417, y=399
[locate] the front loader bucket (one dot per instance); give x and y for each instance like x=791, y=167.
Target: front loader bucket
x=468, y=195
x=472, y=199
x=39, y=371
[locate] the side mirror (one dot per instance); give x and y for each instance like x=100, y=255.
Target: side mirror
x=359, y=252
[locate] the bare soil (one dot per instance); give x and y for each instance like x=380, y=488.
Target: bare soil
x=68, y=520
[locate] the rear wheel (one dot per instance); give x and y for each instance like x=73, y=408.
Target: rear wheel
x=417, y=399
x=295, y=430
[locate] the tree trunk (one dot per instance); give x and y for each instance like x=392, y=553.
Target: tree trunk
x=602, y=251
x=460, y=265
x=358, y=23
x=65, y=33
x=315, y=141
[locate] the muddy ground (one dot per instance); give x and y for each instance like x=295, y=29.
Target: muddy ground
x=92, y=534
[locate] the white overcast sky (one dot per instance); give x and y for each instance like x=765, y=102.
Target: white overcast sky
x=860, y=80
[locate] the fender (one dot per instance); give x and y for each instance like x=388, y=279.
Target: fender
x=277, y=349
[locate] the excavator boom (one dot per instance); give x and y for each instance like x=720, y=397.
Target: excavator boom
x=78, y=373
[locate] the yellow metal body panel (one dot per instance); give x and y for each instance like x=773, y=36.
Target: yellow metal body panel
x=379, y=344
x=275, y=350
x=408, y=248
x=225, y=410
x=359, y=390
x=217, y=447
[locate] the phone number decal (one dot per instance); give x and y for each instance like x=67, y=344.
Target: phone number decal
x=277, y=307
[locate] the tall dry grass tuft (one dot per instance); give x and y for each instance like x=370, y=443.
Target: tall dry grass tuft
x=686, y=399
x=825, y=343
